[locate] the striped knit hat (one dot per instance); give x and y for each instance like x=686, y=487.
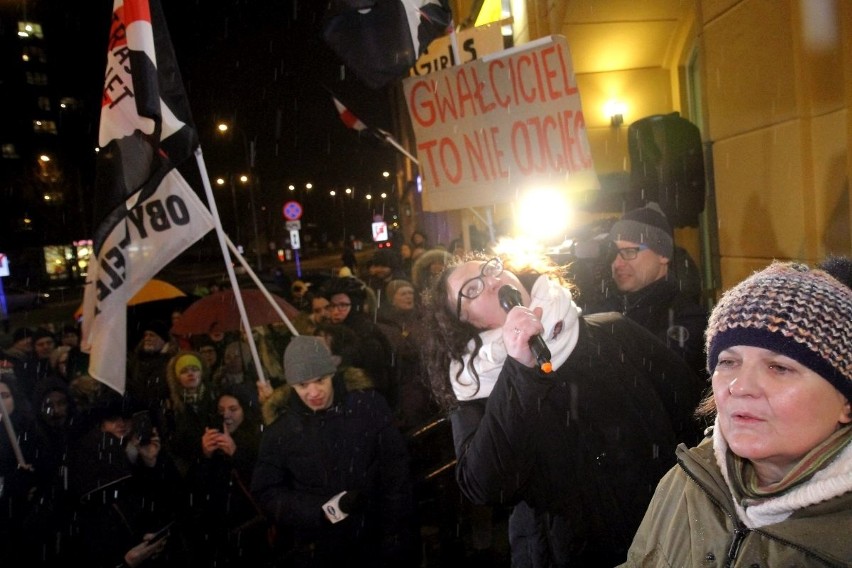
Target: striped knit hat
x=788, y=308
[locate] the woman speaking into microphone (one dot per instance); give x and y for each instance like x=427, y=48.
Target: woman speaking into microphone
x=569, y=419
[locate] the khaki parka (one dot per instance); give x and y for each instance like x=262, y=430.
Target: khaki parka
x=691, y=522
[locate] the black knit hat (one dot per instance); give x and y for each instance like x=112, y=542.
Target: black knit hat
x=647, y=226
x=21, y=333
x=386, y=257
x=159, y=327
x=41, y=333
x=788, y=308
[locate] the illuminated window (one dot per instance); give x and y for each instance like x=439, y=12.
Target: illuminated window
x=44, y=126
x=36, y=78
x=9, y=151
x=34, y=54
x=30, y=29
x=69, y=103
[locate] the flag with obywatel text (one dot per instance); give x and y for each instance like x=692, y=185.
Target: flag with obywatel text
x=145, y=211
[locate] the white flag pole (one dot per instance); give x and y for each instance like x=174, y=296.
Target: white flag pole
x=261, y=287
x=386, y=136
x=13, y=438
x=220, y=233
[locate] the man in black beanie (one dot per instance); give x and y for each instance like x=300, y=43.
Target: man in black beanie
x=642, y=258
x=146, y=369
x=36, y=364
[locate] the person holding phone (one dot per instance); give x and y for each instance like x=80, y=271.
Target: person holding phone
x=124, y=492
x=227, y=524
x=191, y=408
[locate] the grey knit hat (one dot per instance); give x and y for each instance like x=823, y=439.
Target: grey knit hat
x=647, y=226
x=788, y=308
x=307, y=358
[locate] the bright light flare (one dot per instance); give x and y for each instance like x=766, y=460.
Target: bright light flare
x=543, y=215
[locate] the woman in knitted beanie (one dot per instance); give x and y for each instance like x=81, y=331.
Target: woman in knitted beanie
x=771, y=484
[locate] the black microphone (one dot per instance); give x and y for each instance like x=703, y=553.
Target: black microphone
x=509, y=298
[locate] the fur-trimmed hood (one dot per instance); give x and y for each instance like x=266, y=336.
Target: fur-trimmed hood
x=353, y=379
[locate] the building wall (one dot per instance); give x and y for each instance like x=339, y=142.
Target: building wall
x=777, y=110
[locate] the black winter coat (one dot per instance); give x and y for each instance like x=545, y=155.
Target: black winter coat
x=671, y=315
x=308, y=457
x=580, y=451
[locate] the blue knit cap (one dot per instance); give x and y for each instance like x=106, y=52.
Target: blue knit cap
x=788, y=308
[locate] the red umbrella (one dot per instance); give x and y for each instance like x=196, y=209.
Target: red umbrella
x=219, y=313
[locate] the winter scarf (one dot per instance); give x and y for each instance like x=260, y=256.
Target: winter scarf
x=561, y=321
x=834, y=478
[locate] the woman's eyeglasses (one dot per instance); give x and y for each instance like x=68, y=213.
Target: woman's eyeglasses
x=471, y=289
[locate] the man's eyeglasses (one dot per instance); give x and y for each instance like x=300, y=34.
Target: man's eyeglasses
x=471, y=289
x=340, y=306
x=628, y=253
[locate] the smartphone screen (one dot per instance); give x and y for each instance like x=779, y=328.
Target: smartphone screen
x=143, y=427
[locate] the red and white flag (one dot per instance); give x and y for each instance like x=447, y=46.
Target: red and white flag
x=347, y=117
x=353, y=122
x=146, y=212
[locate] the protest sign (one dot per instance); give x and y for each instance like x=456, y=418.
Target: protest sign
x=492, y=127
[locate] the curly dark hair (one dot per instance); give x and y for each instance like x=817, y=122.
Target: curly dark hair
x=449, y=337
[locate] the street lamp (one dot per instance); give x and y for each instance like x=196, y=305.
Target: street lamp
x=249, y=147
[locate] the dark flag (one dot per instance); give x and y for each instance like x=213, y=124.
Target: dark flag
x=146, y=213
x=380, y=40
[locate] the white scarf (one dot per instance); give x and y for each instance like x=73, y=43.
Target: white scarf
x=832, y=480
x=561, y=321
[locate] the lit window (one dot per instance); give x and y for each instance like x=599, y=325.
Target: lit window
x=30, y=29
x=44, y=126
x=9, y=151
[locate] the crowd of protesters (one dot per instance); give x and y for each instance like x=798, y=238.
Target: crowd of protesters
x=407, y=424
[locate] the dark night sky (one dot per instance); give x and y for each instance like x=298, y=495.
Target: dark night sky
x=262, y=65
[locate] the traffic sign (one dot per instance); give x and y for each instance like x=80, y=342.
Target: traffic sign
x=292, y=211
x=293, y=225
x=294, y=240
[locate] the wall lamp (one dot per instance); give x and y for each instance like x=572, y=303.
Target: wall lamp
x=615, y=111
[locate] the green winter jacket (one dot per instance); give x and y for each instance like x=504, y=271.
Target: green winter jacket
x=692, y=522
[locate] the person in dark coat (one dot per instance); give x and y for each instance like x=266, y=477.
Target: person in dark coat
x=372, y=352
x=332, y=472
x=578, y=450
x=401, y=320
x=191, y=409
x=17, y=456
x=146, y=370
x=35, y=366
x=658, y=285
x=384, y=266
x=228, y=527
x=125, y=489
